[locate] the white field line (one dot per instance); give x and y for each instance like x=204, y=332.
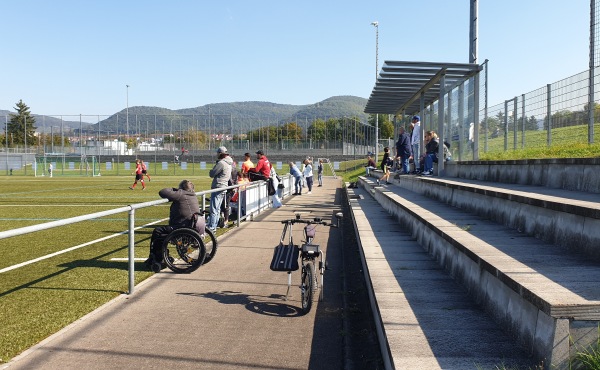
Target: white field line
x=13, y=267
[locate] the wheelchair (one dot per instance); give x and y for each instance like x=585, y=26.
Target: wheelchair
x=185, y=249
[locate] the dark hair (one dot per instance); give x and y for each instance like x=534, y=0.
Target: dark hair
x=186, y=185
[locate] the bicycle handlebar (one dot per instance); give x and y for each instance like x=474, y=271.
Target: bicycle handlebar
x=309, y=222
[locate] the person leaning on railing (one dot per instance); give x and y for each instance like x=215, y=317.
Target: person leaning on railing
x=185, y=205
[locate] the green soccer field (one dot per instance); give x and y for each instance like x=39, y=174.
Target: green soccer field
x=39, y=298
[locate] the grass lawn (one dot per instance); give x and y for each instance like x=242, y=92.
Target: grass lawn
x=40, y=298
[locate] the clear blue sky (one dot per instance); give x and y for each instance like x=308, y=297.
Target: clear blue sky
x=75, y=57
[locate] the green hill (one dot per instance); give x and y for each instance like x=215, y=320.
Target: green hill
x=241, y=116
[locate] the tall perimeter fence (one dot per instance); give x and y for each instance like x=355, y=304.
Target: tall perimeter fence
x=90, y=145
x=561, y=114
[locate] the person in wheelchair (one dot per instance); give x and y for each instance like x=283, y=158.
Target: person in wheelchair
x=185, y=205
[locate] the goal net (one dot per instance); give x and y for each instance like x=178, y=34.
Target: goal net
x=66, y=165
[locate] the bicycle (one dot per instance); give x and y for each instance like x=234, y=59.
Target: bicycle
x=308, y=253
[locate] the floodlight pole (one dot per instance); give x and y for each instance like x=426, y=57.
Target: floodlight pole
x=127, y=115
x=376, y=25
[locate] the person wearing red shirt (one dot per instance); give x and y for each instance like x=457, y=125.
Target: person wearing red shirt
x=263, y=167
x=139, y=176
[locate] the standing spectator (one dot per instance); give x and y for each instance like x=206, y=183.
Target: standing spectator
x=308, y=175
x=385, y=166
x=276, y=198
x=247, y=164
x=403, y=151
x=294, y=171
x=262, y=170
x=139, y=176
x=431, y=150
x=370, y=165
x=185, y=204
x=225, y=205
x=415, y=138
x=320, y=172
x=145, y=170
x=221, y=174
x=50, y=168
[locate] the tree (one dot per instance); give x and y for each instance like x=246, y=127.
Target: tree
x=21, y=126
x=386, y=127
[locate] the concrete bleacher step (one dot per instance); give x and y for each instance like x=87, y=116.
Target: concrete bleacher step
x=566, y=218
x=547, y=296
x=425, y=318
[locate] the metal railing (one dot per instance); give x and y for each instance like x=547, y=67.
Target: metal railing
x=256, y=199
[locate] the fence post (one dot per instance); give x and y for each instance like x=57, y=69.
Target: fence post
x=524, y=120
x=506, y=125
x=515, y=122
x=131, y=250
x=549, y=113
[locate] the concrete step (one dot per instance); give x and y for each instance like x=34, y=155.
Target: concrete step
x=425, y=318
x=566, y=218
x=543, y=294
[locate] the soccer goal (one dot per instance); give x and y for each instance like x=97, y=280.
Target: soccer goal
x=66, y=165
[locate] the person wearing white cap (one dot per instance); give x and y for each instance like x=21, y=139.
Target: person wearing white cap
x=220, y=173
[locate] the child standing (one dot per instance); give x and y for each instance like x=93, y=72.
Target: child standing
x=144, y=170
x=320, y=172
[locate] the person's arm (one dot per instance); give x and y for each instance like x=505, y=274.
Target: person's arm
x=169, y=193
x=218, y=168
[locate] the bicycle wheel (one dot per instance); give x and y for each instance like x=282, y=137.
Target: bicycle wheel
x=308, y=281
x=210, y=243
x=183, y=250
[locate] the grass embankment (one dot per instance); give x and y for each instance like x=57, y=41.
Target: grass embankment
x=567, y=142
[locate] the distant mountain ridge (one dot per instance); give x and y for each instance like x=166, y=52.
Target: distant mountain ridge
x=245, y=116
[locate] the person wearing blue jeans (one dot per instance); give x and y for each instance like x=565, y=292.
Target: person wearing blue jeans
x=221, y=174
x=295, y=171
x=415, y=138
x=403, y=150
x=431, y=152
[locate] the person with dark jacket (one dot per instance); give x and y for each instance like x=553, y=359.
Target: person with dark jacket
x=385, y=166
x=404, y=150
x=431, y=150
x=185, y=204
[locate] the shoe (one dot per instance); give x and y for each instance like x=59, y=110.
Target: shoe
x=130, y=188
x=388, y=183
x=310, y=192
x=378, y=182
x=143, y=188
x=426, y=173
x=319, y=185
x=294, y=193
x=299, y=194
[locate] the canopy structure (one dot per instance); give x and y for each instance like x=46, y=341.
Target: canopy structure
x=401, y=85
x=409, y=87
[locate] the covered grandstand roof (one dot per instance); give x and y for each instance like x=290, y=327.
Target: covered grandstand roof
x=400, y=84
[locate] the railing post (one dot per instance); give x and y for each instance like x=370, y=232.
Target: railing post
x=516, y=123
x=506, y=125
x=524, y=121
x=131, y=250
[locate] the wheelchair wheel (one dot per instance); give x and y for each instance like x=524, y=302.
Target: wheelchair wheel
x=210, y=243
x=183, y=250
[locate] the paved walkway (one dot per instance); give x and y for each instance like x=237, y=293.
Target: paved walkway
x=229, y=314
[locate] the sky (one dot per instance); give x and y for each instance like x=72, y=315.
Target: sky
x=71, y=57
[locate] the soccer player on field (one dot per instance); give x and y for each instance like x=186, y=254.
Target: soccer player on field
x=139, y=176
x=144, y=170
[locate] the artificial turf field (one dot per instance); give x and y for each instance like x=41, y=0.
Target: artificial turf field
x=40, y=298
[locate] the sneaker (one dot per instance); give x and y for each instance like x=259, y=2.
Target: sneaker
x=310, y=192
x=130, y=188
x=388, y=183
x=426, y=173
x=143, y=188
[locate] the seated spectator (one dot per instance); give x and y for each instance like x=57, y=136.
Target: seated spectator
x=431, y=150
x=370, y=165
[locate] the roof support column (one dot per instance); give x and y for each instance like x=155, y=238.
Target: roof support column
x=441, y=171
x=461, y=120
x=421, y=111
